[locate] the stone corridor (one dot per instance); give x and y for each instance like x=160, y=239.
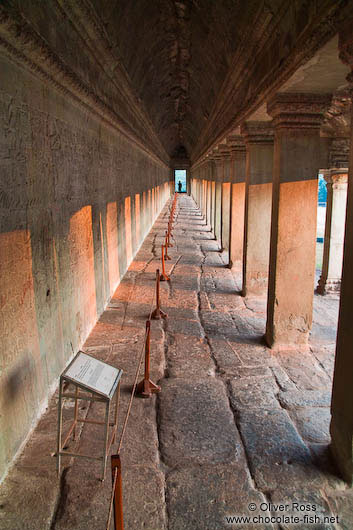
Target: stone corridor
x=234, y=423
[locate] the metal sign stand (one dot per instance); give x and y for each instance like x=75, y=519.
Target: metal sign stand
x=92, y=380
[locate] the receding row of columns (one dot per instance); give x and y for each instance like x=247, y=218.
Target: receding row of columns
x=259, y=195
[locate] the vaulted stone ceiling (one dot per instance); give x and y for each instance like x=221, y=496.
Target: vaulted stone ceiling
x=169, y=74
x=197, y=65
x=177, y=54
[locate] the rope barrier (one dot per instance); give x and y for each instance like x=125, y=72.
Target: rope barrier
x=135, y=383
x=115, y=476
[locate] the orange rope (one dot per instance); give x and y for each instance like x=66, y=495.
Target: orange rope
x=128, y=412
x=135, y=383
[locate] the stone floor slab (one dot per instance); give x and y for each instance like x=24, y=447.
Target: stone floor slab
x=305, y=398
x=189, y=356
x=201, y=498
x=196, y=423
x=254, y=393
x=313, y=423
x=277, y=455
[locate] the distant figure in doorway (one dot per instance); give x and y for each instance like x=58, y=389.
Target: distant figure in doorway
x=179, y=186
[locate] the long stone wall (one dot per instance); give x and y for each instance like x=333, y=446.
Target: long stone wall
x=77, y=198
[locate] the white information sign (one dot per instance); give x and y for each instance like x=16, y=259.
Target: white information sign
x=92, y=373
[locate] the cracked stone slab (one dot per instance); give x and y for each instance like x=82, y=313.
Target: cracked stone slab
x=252, y=354
x=257, y=304
x=209, y=246
x=313, y=423
x=196, y=423
x=185, y=270
x=218, y=324
x=225, y=301
x=227, y=359
x=186, y=327
x=213, y=259
x=201, y=497
x=192, y=259
x=326, y=357
x=143, y=498
x=180, y=299
x=248, y=325
x=283, y=381
x=253, y=371
x=189, y=356
x=304, y=370
x=254, y=393
x=140, y=443
x=204, y=301
x=305, y=398
x=181, y=313
x=277, y=454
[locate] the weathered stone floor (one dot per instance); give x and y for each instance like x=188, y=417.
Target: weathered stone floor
x=234, y=424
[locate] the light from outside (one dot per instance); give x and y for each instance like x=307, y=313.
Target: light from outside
x=180, y=176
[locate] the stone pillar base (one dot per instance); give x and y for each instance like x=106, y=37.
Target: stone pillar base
x=256, y=284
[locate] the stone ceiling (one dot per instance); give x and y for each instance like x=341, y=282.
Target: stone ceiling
x=175, y=75
x=177, y=54
x=198, y=65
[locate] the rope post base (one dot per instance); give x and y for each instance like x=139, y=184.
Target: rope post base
x=118, y=492
x=157, y=314
x=146, y=387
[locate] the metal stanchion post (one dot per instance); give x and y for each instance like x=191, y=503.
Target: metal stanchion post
x=158, y=313
x=146, y=387
x=163, y=277
x=166, y=247
x=118, y=492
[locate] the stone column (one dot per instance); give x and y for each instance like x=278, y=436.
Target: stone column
x=202, y=197
x=204, y=182
x=199, y=204
x=213, y=205
x=237, y=201
x=297, y=120
x=258, y=137
x=209, y=202
x=211, y=178
x=198, y=194
x=342, y=393
x=330, y=279
x=218, y=196
x=226, y=189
